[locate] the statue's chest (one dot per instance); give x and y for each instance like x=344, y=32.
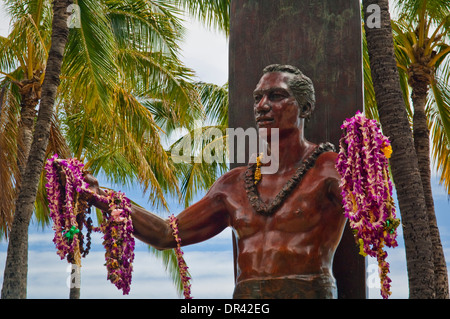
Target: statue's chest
x=296, y=213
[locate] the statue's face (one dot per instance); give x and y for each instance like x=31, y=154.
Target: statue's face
x=274, y=104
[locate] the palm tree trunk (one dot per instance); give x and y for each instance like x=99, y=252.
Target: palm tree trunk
x=421, y=135
x=404, y=164
x=30, y=95
x=15, y=276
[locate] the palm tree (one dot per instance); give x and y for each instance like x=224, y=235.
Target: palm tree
x=30, y=75
x=14, y=284
x=420, y=35
x=18, y=55
x=23, y=56
x=404, y=166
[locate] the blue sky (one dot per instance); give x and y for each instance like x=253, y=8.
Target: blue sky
x=210, y=263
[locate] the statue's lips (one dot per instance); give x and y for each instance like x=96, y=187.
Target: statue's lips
x=263, y=121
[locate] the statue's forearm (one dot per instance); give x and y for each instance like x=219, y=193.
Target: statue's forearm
x=148, y=227
x=152, y=229
x=199, y=222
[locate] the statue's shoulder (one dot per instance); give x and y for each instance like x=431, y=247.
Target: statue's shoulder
x=230, y=179
x=233, y=176
x=327, y=158
x=326, y=162
x=229, y=183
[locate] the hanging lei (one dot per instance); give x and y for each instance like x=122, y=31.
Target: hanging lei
x=363, y=163
x=118, y=240
x=183, y=268
x=253, y=175
x=68, y=209
x=257, y=173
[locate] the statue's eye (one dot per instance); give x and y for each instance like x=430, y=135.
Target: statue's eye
x=277, y=96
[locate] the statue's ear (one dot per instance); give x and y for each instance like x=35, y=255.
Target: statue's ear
x=306, y=110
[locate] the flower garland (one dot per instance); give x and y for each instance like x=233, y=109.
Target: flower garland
x=258, y=175
x=363, y=163
x=118, y=241
x=68, y=211
x=183, y=268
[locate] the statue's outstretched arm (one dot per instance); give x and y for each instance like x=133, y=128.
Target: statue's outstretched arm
x=199, y=222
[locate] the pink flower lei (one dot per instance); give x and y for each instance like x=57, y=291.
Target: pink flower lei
x=363, y=163
x=68, y=212
x=118, y=240
x=183, y=268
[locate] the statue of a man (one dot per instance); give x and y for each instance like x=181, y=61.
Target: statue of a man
x=288, y=225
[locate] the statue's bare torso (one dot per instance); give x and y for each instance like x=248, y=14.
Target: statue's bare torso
x=300, y=237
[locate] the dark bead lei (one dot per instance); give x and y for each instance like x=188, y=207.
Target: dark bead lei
x=269, y=209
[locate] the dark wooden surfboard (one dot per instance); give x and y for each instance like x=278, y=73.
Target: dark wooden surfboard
x=323, y=39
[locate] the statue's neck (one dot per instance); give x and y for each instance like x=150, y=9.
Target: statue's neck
x=289, y=150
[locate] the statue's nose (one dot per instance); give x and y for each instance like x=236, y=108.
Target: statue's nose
x=263, y=105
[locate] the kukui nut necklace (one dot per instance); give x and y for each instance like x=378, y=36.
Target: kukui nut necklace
x=252, y=192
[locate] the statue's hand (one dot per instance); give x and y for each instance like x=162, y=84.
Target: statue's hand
x=94, y=188
x=93, y=184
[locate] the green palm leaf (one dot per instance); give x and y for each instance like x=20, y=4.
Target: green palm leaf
x=90, y=59
x=438, y=110
x=213, y=13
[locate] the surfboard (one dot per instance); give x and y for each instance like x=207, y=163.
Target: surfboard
x=323, y=39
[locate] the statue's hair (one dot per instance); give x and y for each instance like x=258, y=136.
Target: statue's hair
x=301, y=86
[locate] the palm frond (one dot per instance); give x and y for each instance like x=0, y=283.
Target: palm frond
x=8, y=156
x=126, y=146
x=90, y=59
x=213, y=13
x=403, y=54
x=146, y=25
x=214, y=99
x=190, y=153
x=26, y=46
x=438, y=110
x=411, y=9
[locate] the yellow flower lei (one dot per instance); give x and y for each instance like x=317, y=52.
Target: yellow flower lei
x=258, y=175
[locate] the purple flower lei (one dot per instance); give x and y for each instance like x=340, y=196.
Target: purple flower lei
x=363, y=163
x=67, y=210
x=183, y=268
x=118, y=240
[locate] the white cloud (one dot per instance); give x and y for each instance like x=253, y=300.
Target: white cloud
x=398, y=274
x=206, y=52
x=4, y=21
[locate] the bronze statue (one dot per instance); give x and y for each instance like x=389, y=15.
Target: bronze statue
x=288, y=225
